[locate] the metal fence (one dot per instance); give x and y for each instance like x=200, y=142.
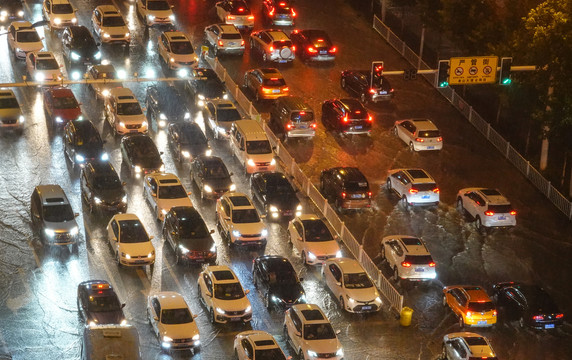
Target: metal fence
x=559, y=200
x=290, y=166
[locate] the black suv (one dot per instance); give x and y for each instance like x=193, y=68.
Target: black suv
x=275, y=192
x=187, y=141
x=346, y=187
x=140, y=155
x=358, y=82
x=276, y=279
x=211, y=176
x=98, y=304
x=205, y=85
x=82, y=143
x=347, y=116
x=165, y=105
x=101, y=188
x=79, y=46
x=313, y=45
x=187, y=233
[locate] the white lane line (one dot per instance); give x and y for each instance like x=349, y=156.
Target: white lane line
x=36, y=257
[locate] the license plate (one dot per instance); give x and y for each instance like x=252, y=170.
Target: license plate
x=481, y=322
x=287, y=213
x=140, y=261
x=425, y=197
x=302, y=126
x=430, y=147
x=275, y=91
x=262, y=168
x=367, y=307
x=549, y=326
x=502, y=217
x=419, y=269
x=382, y=92
x=323, y=52
x=231, y=43
x=235, y=318
x=133, y=131
x=359, y=127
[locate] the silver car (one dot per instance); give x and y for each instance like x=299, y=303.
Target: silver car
x=224, y=38
x=219, y=116
x=413, y=187
x=273, y=45
x=418, y=134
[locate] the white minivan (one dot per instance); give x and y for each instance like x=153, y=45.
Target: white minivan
x=251, y=147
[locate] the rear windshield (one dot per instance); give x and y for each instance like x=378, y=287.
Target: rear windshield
x=302, y=116
x=481, y=306
x=281, y=43
x=356, y=186
x=274, y=82
x=425, y=187
x=500, y=209
x=231, y=37
x=429, y=133
x=240, y=8
x=419, y=259
x=268, y=354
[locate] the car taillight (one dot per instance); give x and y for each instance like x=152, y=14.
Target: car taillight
x=220, y=43
x=538, y=317
x=344, y=195
x=289, y=126
x=436, y=190
x=345, y=119
x=419, y=139
x=513, y=212
x=293, y=47
x=406, y=264
x=559, y=316
x=272, y=48
x=469, y=314
x=266, y=90
x=489, y=213
x=413, y=191
x=314, y=125
x=293, y=13
x=370, y=118
x=230, y=17
x=333, y=50
x=240, y=9
x=251, y=17
x=312, y=50
x=431, y=264
x=372, y=91
x=286, y=89
x=271, y=13
x=282, y=4
x=494, y=313
x=439, y=139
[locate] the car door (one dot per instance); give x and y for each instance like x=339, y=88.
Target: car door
x=333, y=275
x=212, y=34
x=168, y=230
x=391, y=252
x=164, y=48
x=155, y=314
x=397, y=183
x=361, y=84
x=245, y=350
x=207, y=290
x=404, y=131
x=151, y=189
x=297, y=235
x=295, y=331
x=113, y=235
x=224, y=214
x=96, y=22
x=259, y=189
x=473, y=203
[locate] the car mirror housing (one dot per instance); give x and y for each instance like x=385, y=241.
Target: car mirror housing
x=299, y=334
x=208, y=293
x=338, y=283
x=212, y=231
x=122, y=305
x=246, y=291
x=151, y=237
x=338, y=331
x=76, y=214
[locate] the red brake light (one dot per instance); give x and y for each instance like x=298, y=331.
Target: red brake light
x=240, y=9
x=494, y=313
x=271, y=13
x=293, y=13
x=413, y=191
x=419, y=139
x=489, y=213
x=271, y=48
x=439, y=139
x=100, y=286
x=314, y=125
x=538, y=317
x=282, y=4
x=312, y=50
x=344, y=195
x=369, y=194
x=220, y=43
x=406, y=264
x=372, y=91
x=333, y=49
x=370, y=118
x=436, y=190
x=345, y=119
x=559, y=316
x=513, y=212
x=230, y=17
x=302, y=113
x=242, y=43
x=273, y=79
x=289, y=126
x=431, y=264
x=251, y=17
x=286, y=89
x=293, y=47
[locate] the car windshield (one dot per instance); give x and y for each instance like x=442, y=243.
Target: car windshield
x=9, y=103
x=88, y=140
x=319, y=331
x=176, y=316
x=131, y=108
x=112, y=21
x=245, y=216
x=107, y=182
x=269, y=354
x=429, y=133
x=62, y=9
x=500, y=209
x=103, y=303
x=47, y=64
x=283, y=275
x=84, y=41
x=258, y=147
x=316, y=231
x=425, y=187
x=232, y=36
x=217, y=171
x=357, y=281
x=274, y=82
x=132, y=231
x=58, y=213
x=226, y=115
x=27, y=36
x=172, y=192
x=193, y=229
x=182, y=47
x=230, y=291
x=302, y=116
x=481, y=306
x=67, y=102
x=418, y=259
x=158, y=5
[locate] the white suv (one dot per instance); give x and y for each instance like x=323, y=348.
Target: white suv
x=419, y=134
x=11, y=116
x=164, y=191
x=59, y=13
x=273, y=45
x=155, y=12
x=238, y=220
x=223, y=296
x=351, y=285
x=23, y=38
x=124, y=113
x=467, y=346
x=261, y=344
x=42, y=65
x=488, y=207
x=312, y=239
x=413, y=187
x=176, y=50
x=109, y=25
x=224, y=38
x=309, y=332
x=408, y=257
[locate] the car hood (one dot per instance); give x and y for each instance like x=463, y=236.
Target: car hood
x=107, y=317
x=363, y=295
x=193, y=244
x=60, y=227
x=131, y=119
x=31, y=46
x=232, y=305
x=288, y=292
x=91, y=152
x=167, y=204
x=179, y=331
x=323, y=346
x=218, y=183
x=249, y=228
x=110, y=195
x=159, y=13
x=321, y=248
x=184, y=57
x=11, y=113
x=115, y=30
x=137, y=249
x=283, y=201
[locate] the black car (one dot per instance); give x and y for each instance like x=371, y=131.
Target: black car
x=11, y=10
x=187, y=140
x=211, y=176
x=82, y=143
x=278, y=282
x=140, y=155
x=358, y=82
x=276, y=194
x=187, y=233
x=205, y=85
x=79, y=46
x=101, y=188
x=346, y=187
x=313, y=45
x=98, y=303
x=529, y=304
x=165, y=105
x=347, y=116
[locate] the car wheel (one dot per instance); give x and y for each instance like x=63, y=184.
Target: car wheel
x=342, y=303
x=254, y=281
x=339, y=207
x=202, y=194
x=363, y=98
x=301, y=355
x=404, y=202
x=343, y=83
x=388, y=184
x=178, y=257
x=444, y=353
x=264, y=57
x=521, y=322
x=461, y=322
x=444, y=300
x=251, y=44
x=395, y=274
x=411, y=147
x=118, y=259
x=267, y=302
x=383, y=258
x=460, y=207
x=479, y=223
x=212, y=316
x=304, y=257
x=395, y=131
x=215, y=51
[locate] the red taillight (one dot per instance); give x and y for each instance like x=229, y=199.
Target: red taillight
x=240, y=9
x=302, y=113
x=369, y=194
x=289, y=126
x=251, y=17
x=293, y=47
x=230, y=17
x=266, y=90
x=344, y=195
x=489, y=213
x=431, y=264
x=513, y=212
x=406, y=264
x=242, y=43
x=271, y=48
x=372, y=91
x=413, y=191
x=314, y=125
x=293, y=13
x=436, y=190
x=559, y=316
x=439, y=139
x=282, y=4
x=538, y=317
x=100, y=286
x=494, y=313
x=333, y=49
x=286, y=89
x=469, y=314
x=419, y=140
x=271, y=13
x=312, y=50
x=370, y=118
x=220, y=43
x=345, y=119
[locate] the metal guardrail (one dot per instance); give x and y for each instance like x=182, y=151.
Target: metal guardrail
x=533, y=175
x=290, y=166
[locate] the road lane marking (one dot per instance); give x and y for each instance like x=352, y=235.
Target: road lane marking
x=36, y=257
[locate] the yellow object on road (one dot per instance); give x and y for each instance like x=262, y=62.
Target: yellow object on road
x=405, y=316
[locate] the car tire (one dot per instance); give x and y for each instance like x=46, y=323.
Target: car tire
x=521, y=322
x=343, y=83
x=338, y=205
x=363, y=98
x=304, y=258
x=444, y=353
x=444, y=300
x=301, y=355
x=461, y=322
x=118, y=260
x=395, y=132
x=411, y=147
x=212, y=316
x=267, y=303
x=460, y=207
x=383, y=256
x=479, y=224
x=395, y=276
x=388, y=184
x=178, y=258
x=342, y=303
x=404, y=202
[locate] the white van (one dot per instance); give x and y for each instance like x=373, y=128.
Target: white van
x=251, y=147
x=110, y=342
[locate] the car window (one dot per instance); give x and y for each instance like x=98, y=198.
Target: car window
x=132, y=231
x=247, y=348
x=335, y=271
x=316, y=230
x=228, y=291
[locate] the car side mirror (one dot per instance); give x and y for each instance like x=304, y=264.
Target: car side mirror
x=37, y=216
x=338, y=283
x=274, y=148
x=212, y=231
x=195, y=316
x=189, y=193
x=76, y=214
x=246, y=291
x=172, y=6
x=161, y=153
x=122, y=305
x=338, y=332
x=154, y=194
x=151, y=237
x=42, y=38
x=263, y=216
x=301, y=279
x=227, y=218
x=231, y=174
x=156, y=318
x=123, y=183
x=114, y=239
x=208, y=293
x=298, y=334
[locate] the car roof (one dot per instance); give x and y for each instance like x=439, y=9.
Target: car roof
x=125, y=217
x=277, y=35
x=175, y=36
x=476, y=293
x=107, y=9
x=122, y=94
x=222, y=103
x=61, y=92
x=261, y=339
x=419, y=175
x=52, y=194
x=228, y=28
x=239, y=200
x=424, y=124
x=96, y=285
x=352, y=104
x=171, y=300
x=83, y=126
x=204, y=72
x=491, y=196
x=272, y=261
x=22, y=25
x=348, y=266
x=413, y=245
x=44, y=55
x=60, y=2
x=309, y=217
x=270, y=73
x=310, y=313
x=222, y=274
x=350, y=174
x=165, y=179
x=138, y=139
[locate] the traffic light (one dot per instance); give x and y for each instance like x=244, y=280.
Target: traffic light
x=504, y=76
x=376, y=73
x=410, y=74
x=443, y=74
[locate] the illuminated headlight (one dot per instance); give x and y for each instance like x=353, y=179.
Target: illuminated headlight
x=275, y=299
x=106, y=35
x=273, y=161
x=311, y=256
x=201, y=103
x=273, y=208
x=127, y=256
x=123, y=322
x=235, y=233
x=92, y=323
x=201, y=97
x=339, y=254
x=74, y=55
x=220, y=311
x=248, y=309
x=105, y=92
x=172, y=17
x=20, y=13
x=79, y=158
x=144, y=124
x=312, y=353
x=57, y=21
x=299, y=208
x=49, y=232
x=74, y=230
x=165, y=344
x=186, y=154
x=151, y=254
x=74, y=20
x=162, y=116
x=3, y=13
x=264, y=233
x=97, y=55
x=225, y=96
x=250, y=162
x=340, y=352
x=104, y=157
x=275, y=215
x=127, y=34
x=378, y=300
x=213, y=248
x=19, y=50
x=122, y=124
x=209, y=189
x=124, y=199
x=80, y=117
x=183, y=249
x=196, y=337
x=97, y=200
x=208, y=152
x=162, y=168
x=151, y=17
x=137, y=168
x=221, y=130
x=40, y=77
x=302, y=299
x=172, y=60
x=167, y=339
x=350, y=300
x=163, y=211
x=182, y=72
x=232, y=187
x=21, y=119
x=187, y=115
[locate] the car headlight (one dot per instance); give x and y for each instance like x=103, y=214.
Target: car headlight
x=74, y=231
x=97, y=200
x=59, y=120
x=208, y=189
x=162, y=116
x=97, y=55
x=232, y=187
x=196, y=337
x=39, y=77
x=273, y=161
x=144, y=124
x=21, y=119
x=124, y=199
x=106, y=35
x=163, y=211
x=339, y=254
x=225, y=96
x=220, y=311
x=264, y=233
x=350, y=300
x=377, y=299
x=151, y=17
x=79, y=158
x=299, y=207
x=248, y=309
x=312, y=353
x=208, y=152
x=137, y=168
x=127, y=256
x=162, y=123
x=213, y=248
x=273, y=208
x=49, y=232
x=162, y=168
x=123, y=322
x=93, y=323
x=250, y=162
x=57, y=21
x=187, y=115
x=20, y=13
x=74, y=20
x=127, y=34
x=75, y=56
x=235, y=233
x=105, y=92
x=340, y=352
x=167, y=339
x=201, y=96
x=104, y=157
x=186, y=154
x=183, y=249
x=151, y=254
x=311, y=256
x=122, y=124
x=182, y=73
x=172, y=60
x=172, y=17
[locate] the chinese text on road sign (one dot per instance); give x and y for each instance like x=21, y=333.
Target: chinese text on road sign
x=473, y=70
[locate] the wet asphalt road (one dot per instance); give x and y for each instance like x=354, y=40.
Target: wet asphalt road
x=38, y=306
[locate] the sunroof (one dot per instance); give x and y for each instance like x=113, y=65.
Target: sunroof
x=169, y=181
x=312, y=315
x=240, y=201
x=418, y=174
x=54, y=200
x=409, y=241
x=223, y=275
x=264, y=342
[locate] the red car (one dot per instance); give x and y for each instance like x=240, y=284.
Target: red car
x=60, y=106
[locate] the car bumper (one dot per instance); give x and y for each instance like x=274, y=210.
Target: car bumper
x=549, y=324
x=423, y=200
x=159, y=21
x=181, y=344
x=259, y=168
x=415, y=275
x=510, y=221
x=427, y=147
x=137, y=261
x=11, y=124
x=233, y=318
x=356, y=204
x=141, y=130
x=302, y=133
x=381, y=97
x=116, y=40
x=245, y=241
x=480, y=322
x=321, y=57
x=231, y=50
x=355, y=130
x=62, y=240
x=242, y=24
x=282, y=213
x=183, y=65
x=283, y=22
x=200, y=257
x=319, y=260
x=363, y=308
x=281, y=60
x=113, y=208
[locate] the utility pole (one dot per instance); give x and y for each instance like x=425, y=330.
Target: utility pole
x=546, y=130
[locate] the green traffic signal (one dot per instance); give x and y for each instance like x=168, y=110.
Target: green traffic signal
x=443, y=73
x=504, y=75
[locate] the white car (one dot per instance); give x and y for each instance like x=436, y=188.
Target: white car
x=59, y=13
x=176, y=50
x=312, y=239
x=413, y=187
x=164, y=191
x=467, y=346
x=123, y=112
x=235, y=12
x=23, y=39
x=224, y=38
x=219, y=116
x=129, y=241
x=408, y=257
x=43, y=66
x=309, y=332
x=155, y=12
x=238, y=220
x=256, y=345
x=173, y=322
x=109, y=25
x=351, y=285
x=11, y=116
x=418, y=134
x=223, y=296
x=100, y=72
x=487, y=206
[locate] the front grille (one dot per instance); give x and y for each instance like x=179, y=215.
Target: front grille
x=62, y=236
x=139, y=257
x=251, y=236
x=186, y=62
x=235, y=313
x=178, y=341
x=9, y=121
x=198, y=254
x=117, y=36
x=263, y=163
x=326, y=257
x=326, y=355
x=133, y=126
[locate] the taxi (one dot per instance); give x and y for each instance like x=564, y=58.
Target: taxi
x=471, y=305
